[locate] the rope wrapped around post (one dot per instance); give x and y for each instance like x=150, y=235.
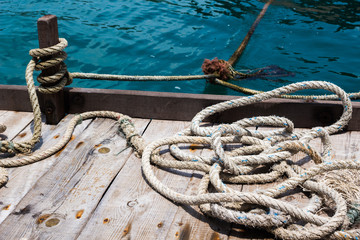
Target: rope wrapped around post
x=54, y=83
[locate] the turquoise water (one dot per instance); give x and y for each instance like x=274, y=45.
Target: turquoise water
x=316, y=40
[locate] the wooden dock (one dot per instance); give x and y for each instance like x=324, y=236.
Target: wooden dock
x=94, y=188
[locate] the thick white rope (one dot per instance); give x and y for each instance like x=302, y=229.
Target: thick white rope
x=259, y=148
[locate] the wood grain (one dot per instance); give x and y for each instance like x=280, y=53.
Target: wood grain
x=23, y=179
x=131, y=209
x=65, y=196
x=15, y=122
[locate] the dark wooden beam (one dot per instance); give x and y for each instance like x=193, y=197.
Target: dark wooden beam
x=183, y=107
x=52, y=105
x=180, y=106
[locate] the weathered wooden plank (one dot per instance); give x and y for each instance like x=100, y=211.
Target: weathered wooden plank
x=131, y=209
x=181, y=106
x=64, y=197
x=2, y=112
x=22, y=179
x=15, y=122
x=346, y=145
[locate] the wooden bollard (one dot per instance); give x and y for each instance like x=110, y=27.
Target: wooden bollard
x=52, y=105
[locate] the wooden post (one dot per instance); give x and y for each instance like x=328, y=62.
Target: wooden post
x=52, y=105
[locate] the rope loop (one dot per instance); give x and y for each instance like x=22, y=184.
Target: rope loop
x=51, y=57
x=2, y=128
x=132, y=136
x=80, y=119
x=220, y=68
x=223, y=70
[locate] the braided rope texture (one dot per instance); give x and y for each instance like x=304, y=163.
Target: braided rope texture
x=55, y=56
x=254, y=148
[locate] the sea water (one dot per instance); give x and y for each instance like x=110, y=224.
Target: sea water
x=314, y=40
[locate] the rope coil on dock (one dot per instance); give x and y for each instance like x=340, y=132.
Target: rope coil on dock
x=259, y=148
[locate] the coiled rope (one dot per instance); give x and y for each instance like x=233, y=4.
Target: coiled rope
x=56, y=82
x=259, y=148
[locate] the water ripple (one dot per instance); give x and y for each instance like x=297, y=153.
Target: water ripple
x=314, y=39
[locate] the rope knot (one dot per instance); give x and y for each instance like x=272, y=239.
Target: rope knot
x=46, y=58
x=221, y=68
x=131, y=135
x=2, y=128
